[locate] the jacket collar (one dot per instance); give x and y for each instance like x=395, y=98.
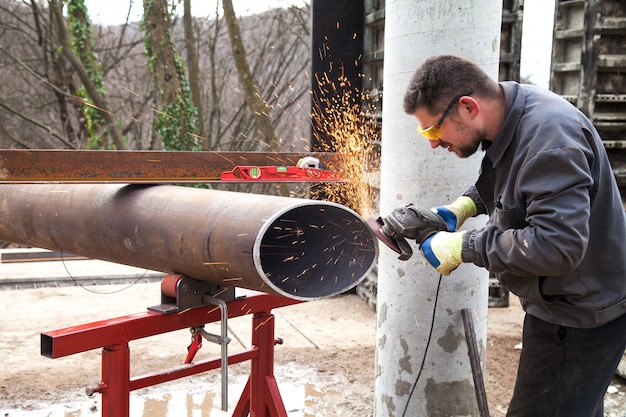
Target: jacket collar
x=515, y=101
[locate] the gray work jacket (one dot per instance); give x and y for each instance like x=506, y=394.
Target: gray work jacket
x=556, y=235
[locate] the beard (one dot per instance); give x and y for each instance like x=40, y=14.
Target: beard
x=471, y=146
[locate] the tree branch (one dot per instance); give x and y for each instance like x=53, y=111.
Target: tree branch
x=98, y=100
x=48, y=129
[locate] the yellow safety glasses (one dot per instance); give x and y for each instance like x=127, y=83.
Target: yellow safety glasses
x=433, y=132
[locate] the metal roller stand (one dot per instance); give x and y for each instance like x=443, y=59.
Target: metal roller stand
x=260, y=397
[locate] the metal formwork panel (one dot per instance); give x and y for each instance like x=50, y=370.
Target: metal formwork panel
x=588, y=63
x=511, y=40
x=373, y=55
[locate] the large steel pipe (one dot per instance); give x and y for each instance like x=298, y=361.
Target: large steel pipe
x=302, y=249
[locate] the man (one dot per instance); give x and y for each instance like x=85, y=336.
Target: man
x=556, y=234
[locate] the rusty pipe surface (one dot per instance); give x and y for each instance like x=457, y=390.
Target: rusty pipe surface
x=298, y=248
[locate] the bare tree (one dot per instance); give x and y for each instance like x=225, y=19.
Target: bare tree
x=94, y=93
x=176, y=114
x=259, y=108
x=36, y=82
x=82, y=42
x=193, y=68
x=41, y=104
x=279, y=61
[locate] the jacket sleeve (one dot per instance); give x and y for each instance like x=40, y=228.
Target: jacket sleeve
x=542, y=228
x=472, y=193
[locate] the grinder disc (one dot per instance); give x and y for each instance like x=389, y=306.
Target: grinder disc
x=377, y=228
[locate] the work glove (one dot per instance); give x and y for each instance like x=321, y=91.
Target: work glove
x=456, y=213
x=413, y=222
x=443, y=251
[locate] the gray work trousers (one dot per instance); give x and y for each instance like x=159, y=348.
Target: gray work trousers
x=564, y=371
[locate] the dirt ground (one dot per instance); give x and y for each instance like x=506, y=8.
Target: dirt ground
x=321, y=369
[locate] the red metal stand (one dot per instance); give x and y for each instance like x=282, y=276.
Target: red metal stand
x=260, y=397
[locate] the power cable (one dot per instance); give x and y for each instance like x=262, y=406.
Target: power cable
x=99, y=292
x=430, y=335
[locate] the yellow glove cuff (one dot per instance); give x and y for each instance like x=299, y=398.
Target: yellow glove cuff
x=463, y=208
x=443, y=251
x=448, y=246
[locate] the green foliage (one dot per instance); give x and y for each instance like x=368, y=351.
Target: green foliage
x=82, y=42
x=176, y=120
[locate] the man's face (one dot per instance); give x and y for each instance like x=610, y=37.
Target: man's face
x=455, y=136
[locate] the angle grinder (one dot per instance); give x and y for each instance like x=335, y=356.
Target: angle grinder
x=408, y=222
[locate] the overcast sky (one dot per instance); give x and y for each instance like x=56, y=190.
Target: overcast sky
x=536, y=38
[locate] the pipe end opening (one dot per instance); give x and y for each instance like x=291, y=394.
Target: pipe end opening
x=316, y=251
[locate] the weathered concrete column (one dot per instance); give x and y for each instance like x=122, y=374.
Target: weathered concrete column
x=413, y=172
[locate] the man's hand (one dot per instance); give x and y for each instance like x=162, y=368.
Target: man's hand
x=413, y=223
x=443, y=251
x=456, y=213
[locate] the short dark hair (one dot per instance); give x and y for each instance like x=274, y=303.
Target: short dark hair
x=440, y=78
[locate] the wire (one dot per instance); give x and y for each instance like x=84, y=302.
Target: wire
x=430, y=335
x=99, y=292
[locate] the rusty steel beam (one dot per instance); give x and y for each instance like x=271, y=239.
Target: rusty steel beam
x=133, y=167
x=303, y=249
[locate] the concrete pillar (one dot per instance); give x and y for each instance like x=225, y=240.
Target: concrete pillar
x=412, y=172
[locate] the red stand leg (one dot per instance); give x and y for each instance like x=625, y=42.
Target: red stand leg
x=242, y=409
x=261, y=397
x=116, y=381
